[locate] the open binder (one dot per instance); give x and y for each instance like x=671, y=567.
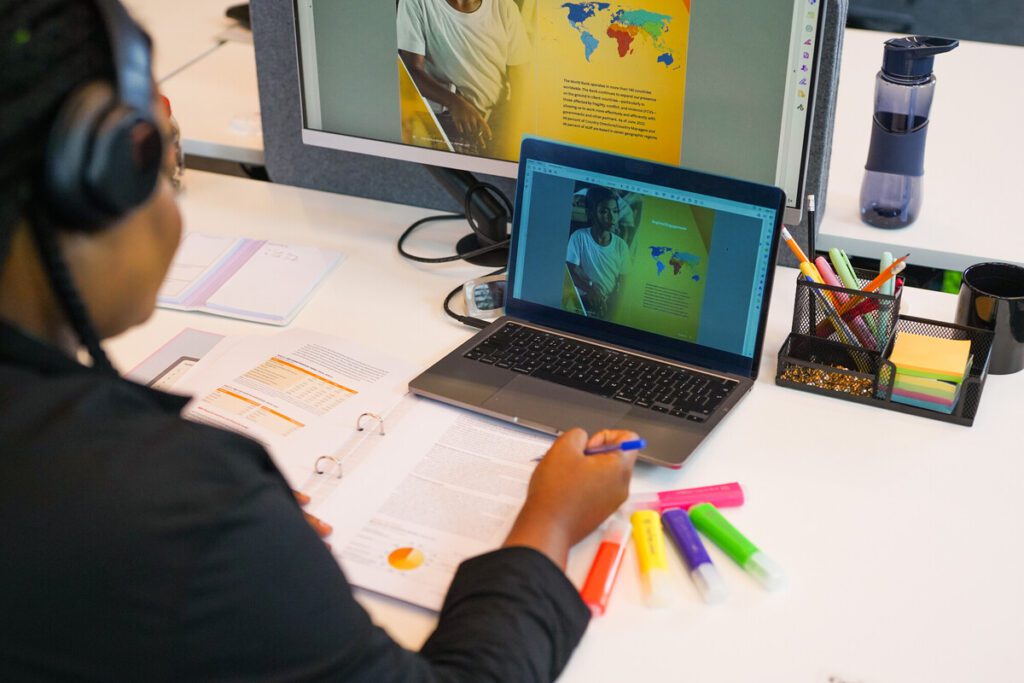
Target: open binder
x=416, y=490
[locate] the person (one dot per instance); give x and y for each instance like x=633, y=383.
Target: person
x=596, y=257
x=139, y=546
x=470, y=58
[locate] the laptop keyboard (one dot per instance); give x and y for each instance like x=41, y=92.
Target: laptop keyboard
x=687, y=394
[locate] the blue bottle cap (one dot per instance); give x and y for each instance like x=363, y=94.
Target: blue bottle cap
x=912, y=57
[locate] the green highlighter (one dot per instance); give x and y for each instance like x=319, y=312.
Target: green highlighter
x=710, y=522
x=844, y=269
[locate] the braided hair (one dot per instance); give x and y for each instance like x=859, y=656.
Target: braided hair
x=48, y=48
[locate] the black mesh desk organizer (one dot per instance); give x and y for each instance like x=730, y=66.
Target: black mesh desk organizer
x=818, y=359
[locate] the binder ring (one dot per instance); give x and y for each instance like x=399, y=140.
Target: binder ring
x=375, y=416
x=337, y=464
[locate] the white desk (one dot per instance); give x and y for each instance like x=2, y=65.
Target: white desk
x=215, y=103
x=901, y=538
x=182, y=31
x=972, y=159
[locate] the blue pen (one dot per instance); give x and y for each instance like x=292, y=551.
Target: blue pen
x=709, y=583
x=634, y=445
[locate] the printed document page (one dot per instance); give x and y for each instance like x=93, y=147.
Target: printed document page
x=442, y=485
x=299, y=393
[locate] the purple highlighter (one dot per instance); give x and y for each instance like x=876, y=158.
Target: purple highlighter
x=703, y=573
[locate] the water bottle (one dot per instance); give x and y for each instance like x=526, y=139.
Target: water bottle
x=890, y=196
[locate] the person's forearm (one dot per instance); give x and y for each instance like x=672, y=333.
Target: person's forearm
x=510, y=591
x=580, y=279
x=433, y=89
x=535, y=530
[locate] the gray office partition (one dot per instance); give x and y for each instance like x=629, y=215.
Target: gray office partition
x=291, y=162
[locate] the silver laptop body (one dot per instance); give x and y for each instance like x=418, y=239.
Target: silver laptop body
x=637, y=299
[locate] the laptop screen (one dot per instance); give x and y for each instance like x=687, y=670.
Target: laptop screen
x=680, y=259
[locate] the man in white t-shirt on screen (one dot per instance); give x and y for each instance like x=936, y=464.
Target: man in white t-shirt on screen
x=465, y=56
x=597, y=258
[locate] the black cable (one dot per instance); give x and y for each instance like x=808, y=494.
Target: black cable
x=466, y=319
x=467, y=214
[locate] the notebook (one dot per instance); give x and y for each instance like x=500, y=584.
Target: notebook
x=649, y=319
x=250, y=279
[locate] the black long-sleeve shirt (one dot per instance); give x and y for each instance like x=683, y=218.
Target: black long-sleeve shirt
x=137, y=546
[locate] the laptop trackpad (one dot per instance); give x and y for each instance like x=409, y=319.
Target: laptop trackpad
x=548, y=404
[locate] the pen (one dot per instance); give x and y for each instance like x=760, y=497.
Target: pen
x=842, y=329
x=809, y=270
x=702, y=571
x=888, y=287
x=634, y=445
x=858, y=327
x=601, y=578
x=844, y=269
x=892, y=271
x=861, y=310
x=712, y=524
x=650, y=552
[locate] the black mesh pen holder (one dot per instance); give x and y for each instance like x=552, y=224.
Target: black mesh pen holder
x=853, y=317
x=830, y=368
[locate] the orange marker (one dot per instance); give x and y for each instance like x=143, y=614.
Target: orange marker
x=601, y=578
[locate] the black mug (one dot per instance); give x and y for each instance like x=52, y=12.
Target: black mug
x=992, y=298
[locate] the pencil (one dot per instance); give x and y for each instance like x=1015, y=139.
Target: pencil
x=894, y=269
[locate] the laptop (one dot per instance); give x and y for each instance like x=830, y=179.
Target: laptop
x=637, y=298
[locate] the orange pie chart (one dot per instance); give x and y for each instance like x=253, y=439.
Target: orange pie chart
x=405, y=559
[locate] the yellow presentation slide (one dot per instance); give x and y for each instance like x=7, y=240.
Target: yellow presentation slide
x=612, y=76
x=606, y=75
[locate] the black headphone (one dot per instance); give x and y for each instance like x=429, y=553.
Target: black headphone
x=105, y=149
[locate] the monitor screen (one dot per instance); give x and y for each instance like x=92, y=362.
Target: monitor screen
x=722, y=87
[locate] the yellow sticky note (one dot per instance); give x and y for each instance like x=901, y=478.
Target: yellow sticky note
x=924, y=356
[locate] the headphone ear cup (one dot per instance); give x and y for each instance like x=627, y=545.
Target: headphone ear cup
x=104, y=160
x=67, y=157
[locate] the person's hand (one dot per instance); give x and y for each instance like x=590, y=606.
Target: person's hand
x=322, y=528
x=467, y=119
x=570, y=493
x=598, y=302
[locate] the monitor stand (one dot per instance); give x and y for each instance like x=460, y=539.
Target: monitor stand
x=489, y=215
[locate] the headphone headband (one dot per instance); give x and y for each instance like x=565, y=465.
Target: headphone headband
x=131, y=49
x=105, y=149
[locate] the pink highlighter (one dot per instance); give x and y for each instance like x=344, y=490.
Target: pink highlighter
x=830, y=278
x=721, y=495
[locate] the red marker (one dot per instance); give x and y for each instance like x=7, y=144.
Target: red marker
x=601, y=579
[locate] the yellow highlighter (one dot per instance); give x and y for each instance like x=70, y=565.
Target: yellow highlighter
x=650, y=550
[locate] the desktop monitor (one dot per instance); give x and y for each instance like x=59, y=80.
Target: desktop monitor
x=722, y=87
